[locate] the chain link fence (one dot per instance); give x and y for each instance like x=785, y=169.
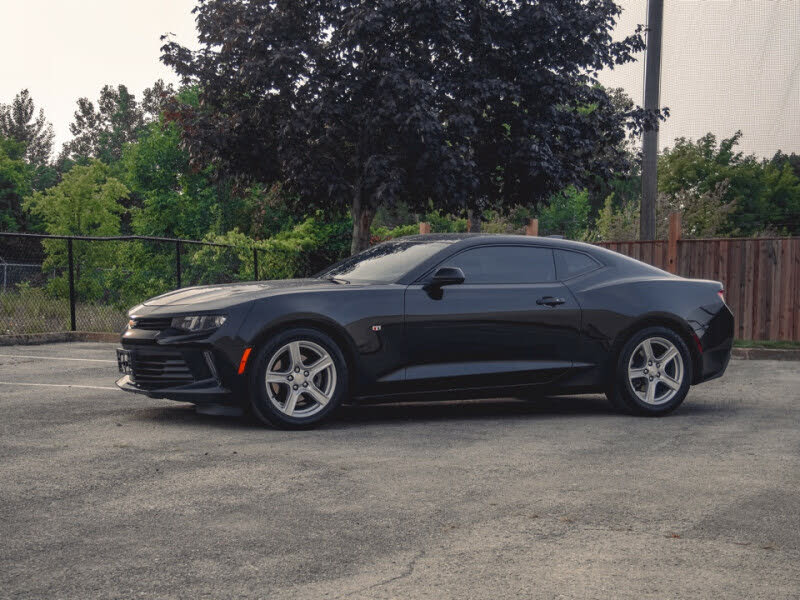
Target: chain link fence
x=63, y=283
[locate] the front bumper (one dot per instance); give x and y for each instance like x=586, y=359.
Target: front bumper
x=206, y=391
x=193, y=370
x=717, y=345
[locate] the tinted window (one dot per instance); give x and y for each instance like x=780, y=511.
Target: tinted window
x=385, y=262
x=570, y=264
x=505, y=264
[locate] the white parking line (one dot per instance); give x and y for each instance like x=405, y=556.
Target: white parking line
x=63, y=385
x=56, y=358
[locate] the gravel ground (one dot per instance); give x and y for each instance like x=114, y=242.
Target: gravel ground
x=106, y=495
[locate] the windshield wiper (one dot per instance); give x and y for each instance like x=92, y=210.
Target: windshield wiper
x=336, y=280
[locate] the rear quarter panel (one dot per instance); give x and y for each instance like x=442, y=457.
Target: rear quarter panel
x=614, y=306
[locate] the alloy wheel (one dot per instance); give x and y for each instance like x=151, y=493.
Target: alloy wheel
x=300, y=379
x=655, y=371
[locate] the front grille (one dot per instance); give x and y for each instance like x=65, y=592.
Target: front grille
x=153, y=323
x=159, y=369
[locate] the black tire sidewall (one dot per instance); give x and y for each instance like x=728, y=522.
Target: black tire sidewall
x=624, y=394
x=260, y=404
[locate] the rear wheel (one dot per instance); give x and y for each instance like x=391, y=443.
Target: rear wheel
x=653, y=373
x=298, y=380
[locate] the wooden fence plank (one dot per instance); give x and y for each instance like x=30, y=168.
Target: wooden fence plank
x=764, y=292
x=791, y=272
x=787, y=278
x=662, y=257
x=795, y=301
x=722, y=264
x=774, y=314
x=735, y=283
x=746, y=305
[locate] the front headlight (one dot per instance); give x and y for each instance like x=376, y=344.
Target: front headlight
x=198, y=322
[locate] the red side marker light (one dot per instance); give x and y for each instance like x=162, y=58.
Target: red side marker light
x=721, y=295
x=697, y=341
x=243, y=362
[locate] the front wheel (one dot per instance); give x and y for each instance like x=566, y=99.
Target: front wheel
x=653, y=373
x=299, y=378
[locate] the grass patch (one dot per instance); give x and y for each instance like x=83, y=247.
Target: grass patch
x=33, y=310
x=772, y=344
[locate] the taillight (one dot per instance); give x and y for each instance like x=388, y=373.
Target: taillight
x=721, y=295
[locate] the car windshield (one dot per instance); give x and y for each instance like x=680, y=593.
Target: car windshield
x=384, y=263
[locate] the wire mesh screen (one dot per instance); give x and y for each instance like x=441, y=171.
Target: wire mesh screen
x=108, y=277
x=28, y=303
x=727, y=65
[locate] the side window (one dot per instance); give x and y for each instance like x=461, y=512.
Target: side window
x=505, y=264
x=569, y=264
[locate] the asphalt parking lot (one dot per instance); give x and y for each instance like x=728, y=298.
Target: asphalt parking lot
x=105, y=495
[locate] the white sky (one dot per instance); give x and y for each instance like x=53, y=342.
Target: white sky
x=727, y=64
x=64, y=49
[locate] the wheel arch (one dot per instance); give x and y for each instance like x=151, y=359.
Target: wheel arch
x=669, y=321
x=320, y=323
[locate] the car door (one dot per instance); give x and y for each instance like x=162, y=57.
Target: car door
x=509, y=323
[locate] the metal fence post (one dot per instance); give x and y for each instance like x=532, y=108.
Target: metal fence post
x=255, y=263
x=70, y=259
x=178, y=262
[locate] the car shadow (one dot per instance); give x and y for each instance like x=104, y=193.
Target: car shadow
x=397, y=412
x=495, y=408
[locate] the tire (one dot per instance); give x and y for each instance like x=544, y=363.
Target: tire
x=653, y=373
x=298, y=379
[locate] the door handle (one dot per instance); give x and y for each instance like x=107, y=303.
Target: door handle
x=550, y=301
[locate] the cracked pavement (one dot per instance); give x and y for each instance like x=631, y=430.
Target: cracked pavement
x=107, y=495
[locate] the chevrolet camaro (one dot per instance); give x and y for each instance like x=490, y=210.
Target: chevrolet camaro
x=434, y=317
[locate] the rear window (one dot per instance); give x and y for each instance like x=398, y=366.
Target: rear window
x=569, y=264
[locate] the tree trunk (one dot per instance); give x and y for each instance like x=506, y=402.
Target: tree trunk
x=362, y=214
x=473, y=221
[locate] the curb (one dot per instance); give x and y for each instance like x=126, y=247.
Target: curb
x=29, y=339
x=765, y=354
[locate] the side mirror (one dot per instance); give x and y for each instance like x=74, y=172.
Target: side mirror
x=447, y=276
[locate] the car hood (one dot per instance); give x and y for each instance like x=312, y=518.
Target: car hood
x=236, y=292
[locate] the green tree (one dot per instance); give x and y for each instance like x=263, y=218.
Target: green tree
x=174, y=197
x=119, y=118
x=566, y=213
x=616, y=222
x=86, y=202
x=359, y=105
x=766, y=194
x=15, y=184
x=19, y=121
x=174, y=200
x=703, y=215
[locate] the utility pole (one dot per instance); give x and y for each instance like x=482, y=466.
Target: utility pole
x=652, y=93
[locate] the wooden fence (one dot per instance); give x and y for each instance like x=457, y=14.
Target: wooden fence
x=761, y=276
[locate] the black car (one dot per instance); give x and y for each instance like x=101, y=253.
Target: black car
x=434, y=317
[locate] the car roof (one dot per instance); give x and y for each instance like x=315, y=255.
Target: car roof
x=458, y=241
x=475, y=239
